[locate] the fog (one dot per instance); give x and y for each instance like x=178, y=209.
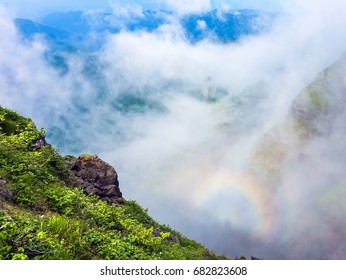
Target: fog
x=181, y=124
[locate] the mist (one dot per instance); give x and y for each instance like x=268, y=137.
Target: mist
x=182, y=124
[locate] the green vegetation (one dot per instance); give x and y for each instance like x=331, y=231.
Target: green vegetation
x=316, y=98
x=44, y=216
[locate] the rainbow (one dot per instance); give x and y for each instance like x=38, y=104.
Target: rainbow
x=236, y=196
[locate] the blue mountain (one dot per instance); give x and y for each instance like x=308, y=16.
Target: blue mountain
x=57, y=39
x=72, y=29
x=86, y=22
x=227, y=26
x=30, y=28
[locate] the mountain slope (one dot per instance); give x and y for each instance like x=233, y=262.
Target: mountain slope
x=303, y=162
x=56, y=208
x=57, y=39
x=315, y=115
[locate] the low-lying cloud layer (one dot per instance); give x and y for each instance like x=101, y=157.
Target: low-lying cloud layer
x=180, y=123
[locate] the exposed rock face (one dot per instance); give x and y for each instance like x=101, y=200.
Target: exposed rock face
x=89, y=172
x=38, y=144
x=4, y=192
x=95, y=177
x=171, y=238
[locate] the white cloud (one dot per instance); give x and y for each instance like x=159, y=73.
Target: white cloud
x=186, y=145
x=265, y=5
x=201, y=24
x=189, y=6
x=38, y=8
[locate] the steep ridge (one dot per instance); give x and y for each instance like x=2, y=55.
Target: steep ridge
x=303, y=164
x=315, y=114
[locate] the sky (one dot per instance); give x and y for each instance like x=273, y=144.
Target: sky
x=202, y=167
x=37, y=8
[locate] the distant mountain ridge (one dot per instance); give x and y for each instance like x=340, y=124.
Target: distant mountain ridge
x=73, y=28
x=56, y=38
x=227, y=26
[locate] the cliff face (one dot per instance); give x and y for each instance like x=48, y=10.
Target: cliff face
x=72, y=208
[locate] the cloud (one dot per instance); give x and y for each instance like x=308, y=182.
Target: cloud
x=201, y=24
x=38, y=8
x=189, y=6
x=194, y=151
x=180, y=123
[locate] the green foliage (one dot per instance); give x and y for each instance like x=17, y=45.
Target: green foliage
x=54, y=163
x=138, y=234
x=63, y=200
x=108, y=245
x=316, y=98
x=26, y=189
x=135, y=211
x=7, y=231
x=20, y=255
x=103, y=216
x=49, y=218
x=11, y=122
x=85, y=156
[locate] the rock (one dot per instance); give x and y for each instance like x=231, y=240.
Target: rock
x=90, y=189
x=2, y=181
x=172, y=238
x=116, y=200
x=38, y=144
x=95, y=177
x=70, y=162
x=108, y=191
x=5, y=193
x=157, y=232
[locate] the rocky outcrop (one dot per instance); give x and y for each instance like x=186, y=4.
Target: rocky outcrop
x=5, y=193
x=38, y=144
x=95, y=177
x=171, y=238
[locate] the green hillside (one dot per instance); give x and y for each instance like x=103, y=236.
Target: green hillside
x=46, y=214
